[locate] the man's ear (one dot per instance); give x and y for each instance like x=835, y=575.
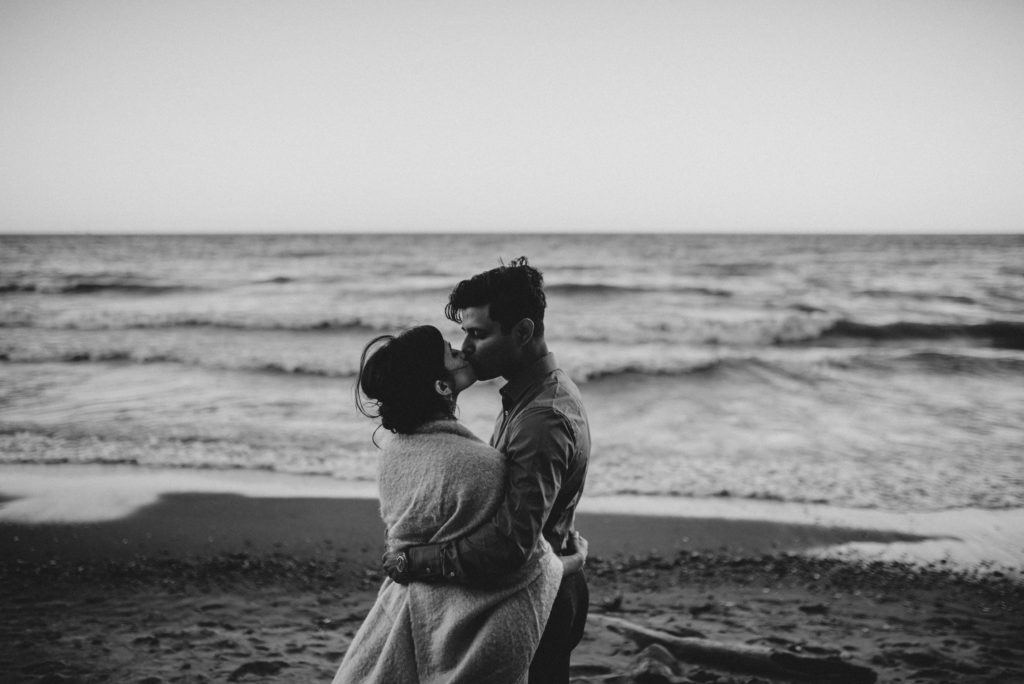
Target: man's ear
x=523, y=331
x=442, y=388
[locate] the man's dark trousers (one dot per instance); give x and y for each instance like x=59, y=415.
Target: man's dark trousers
x=564, y=630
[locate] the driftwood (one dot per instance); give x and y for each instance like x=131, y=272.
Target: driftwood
x=653, y=665
x=743, y=657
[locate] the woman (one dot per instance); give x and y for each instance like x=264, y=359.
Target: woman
x=438, y=481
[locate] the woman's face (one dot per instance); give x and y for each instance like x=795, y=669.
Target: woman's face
x=459, y=370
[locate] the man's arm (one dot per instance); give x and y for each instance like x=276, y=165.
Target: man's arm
x=537, y=456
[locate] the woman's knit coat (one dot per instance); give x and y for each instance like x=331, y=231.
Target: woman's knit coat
x=435, y=485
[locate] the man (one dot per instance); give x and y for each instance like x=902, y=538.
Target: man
x=544, y=434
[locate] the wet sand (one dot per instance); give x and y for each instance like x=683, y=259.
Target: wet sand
x=206, y=586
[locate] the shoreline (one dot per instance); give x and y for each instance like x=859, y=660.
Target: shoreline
x=270, y=587
x=79, y=499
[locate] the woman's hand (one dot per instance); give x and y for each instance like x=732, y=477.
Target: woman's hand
x=577, y=547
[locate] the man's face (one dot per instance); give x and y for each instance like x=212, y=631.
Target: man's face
x=488, y=350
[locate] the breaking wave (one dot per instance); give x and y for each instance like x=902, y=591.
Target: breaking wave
x=1001, y=334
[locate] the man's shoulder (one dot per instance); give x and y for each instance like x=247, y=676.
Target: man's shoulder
x=557, y=399
x=565, y=383
x=565, y=393
x=556, y=387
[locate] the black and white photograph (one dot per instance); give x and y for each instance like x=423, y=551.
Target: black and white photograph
x=470, y=342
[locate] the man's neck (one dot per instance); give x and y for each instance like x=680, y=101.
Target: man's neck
x=534, y=351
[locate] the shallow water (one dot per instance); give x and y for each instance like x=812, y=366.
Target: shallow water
x=870, y=372
x=965, y=539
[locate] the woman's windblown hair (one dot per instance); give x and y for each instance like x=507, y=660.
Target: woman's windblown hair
x=396, y=381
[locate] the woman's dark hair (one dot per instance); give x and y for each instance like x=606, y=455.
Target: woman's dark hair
x=514, y=292
x=398, y=378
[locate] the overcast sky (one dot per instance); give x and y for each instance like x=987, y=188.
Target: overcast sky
x=798, y=115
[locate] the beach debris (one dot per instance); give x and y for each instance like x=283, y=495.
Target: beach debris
x=329, y=624
x=815, y=609
x=612, y=604
x=697, y=611
x=929, y=660
x=654, y=665
x=259, y=668
x=743, y=657
x=583, y=672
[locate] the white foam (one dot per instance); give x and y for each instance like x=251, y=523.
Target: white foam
x=965, y=538
x=97, y=493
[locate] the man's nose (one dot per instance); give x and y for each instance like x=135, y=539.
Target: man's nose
x=467, y=347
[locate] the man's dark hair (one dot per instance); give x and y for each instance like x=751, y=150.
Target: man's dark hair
x=514, y=292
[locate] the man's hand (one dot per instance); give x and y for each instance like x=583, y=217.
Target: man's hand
x=577, y=544
x=396, y=566
x=574, y=556
x=415, y=564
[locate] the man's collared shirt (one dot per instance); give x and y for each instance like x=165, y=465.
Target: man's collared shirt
x=545, y=437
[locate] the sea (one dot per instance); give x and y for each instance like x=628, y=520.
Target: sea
x=866, y=372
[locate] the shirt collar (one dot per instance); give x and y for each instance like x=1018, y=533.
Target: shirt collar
x=514, y=389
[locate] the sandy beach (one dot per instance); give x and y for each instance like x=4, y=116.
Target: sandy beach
x=203, y=586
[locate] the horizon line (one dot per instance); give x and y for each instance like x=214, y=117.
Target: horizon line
x=523, y=232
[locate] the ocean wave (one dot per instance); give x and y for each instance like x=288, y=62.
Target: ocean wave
x=34, y=444
x=611, y=370
x=764, y=366
x=214, y=321
x=735, y=269
x=303, y=369
x=594, y=288
x=1008, y=294
x=1001, y=334
x=113, y=356
x=917, y=296
x=698, y=327
x=336, y=324
x=941, y=362
x=89, y=284
x=810, y=326
x=600, y=368
x=583, y=289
